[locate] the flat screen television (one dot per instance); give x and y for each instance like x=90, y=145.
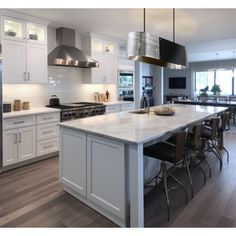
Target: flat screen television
x=177, y=82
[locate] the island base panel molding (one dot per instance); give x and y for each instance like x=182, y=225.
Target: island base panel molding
x=92, y=169
x=135, y=153
x=108, y=215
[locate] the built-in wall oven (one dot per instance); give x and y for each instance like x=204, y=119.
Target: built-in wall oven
x=126, y=85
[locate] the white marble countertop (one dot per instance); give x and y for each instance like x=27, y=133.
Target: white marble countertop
x=141, y=128
x=32, y=111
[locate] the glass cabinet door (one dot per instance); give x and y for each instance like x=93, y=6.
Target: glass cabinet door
x=36, y=33
x=13, y=28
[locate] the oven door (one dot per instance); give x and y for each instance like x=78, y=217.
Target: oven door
x=126, y=79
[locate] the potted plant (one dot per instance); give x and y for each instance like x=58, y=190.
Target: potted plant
x=203, y=94
x=216, y=89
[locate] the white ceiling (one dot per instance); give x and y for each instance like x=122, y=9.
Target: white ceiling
x=193, y=26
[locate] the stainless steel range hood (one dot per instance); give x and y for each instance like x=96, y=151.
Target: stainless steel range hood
x=151, y=49
x=66, y=54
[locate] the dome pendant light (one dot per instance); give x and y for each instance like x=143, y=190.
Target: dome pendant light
x=144, y=47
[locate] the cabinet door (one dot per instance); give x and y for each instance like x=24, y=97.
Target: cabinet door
x=26, y=143
x=14, y=66
x=13, y=29
x=37, y=63
x=36, y=33
x=106, y=174
x=73, y=160
x=106, y=73
x=9, y=147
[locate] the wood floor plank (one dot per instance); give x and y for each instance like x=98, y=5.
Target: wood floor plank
x=32, y=196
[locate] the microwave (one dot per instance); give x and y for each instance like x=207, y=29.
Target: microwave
x=126, y=79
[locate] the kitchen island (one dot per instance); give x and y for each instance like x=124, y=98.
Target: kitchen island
x=101, y=157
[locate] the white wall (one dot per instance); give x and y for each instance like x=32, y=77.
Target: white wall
x=177, y=73
x=65, y=82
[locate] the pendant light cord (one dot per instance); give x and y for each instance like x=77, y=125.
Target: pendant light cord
x=173, y=24
x=143, y=19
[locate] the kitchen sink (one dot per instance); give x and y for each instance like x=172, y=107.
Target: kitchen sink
x=139, y=112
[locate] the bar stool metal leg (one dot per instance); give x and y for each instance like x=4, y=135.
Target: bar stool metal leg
x=163, y=168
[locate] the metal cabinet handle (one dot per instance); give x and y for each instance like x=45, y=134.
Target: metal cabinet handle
x=19, y=137
x=48, y=118
x=16, y=138
x=28, y=76
x=47, y=132
x=18, y=122
x=48, y=146
x=25, y=76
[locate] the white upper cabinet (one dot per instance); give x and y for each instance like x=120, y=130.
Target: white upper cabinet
x=16, y=29
x=24, y=50
x=36, y=33
x=36, y=63
x=13, y=57
x=105, y=52
x=13, y=29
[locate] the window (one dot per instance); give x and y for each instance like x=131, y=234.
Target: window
x=223, y=77
x=204, y=78
x=224, y=80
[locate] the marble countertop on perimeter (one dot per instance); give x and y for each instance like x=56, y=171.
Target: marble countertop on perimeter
x=31, y=112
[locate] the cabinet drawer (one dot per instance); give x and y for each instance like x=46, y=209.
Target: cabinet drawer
x=126, y=107
x=112, y=108
x=47, y=118
x=47, y=131
x=47, y=146
x=19, y=122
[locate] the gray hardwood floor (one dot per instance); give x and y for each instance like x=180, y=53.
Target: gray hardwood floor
x=32, y=196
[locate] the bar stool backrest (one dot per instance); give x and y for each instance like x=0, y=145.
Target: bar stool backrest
x=215, y=122
x=197, y=137
x=224, y=120
x=181, y=140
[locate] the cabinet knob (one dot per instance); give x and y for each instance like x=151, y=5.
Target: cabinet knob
x=28, y=76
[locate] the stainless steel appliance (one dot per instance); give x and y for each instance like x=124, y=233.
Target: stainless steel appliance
x=126, y=85
x=148, y=89
x=79, y=110
x=66, y=54
x=1, y=139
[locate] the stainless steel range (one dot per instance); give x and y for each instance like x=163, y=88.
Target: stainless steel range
x=78, y=110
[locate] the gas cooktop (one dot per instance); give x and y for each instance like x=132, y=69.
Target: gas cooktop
x=78, y=110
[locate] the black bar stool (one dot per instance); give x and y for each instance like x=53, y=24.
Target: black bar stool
x=222, y=128
x=210, y=134
x=196, y=146
x=174, y=154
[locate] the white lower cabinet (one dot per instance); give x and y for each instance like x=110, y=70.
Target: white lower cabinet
x=10, y=143
x=28, y=137
x=110, y=108
x=19, y=145
x=94, y=167
x=26, y=143
x=73, y=160
x=106, y=174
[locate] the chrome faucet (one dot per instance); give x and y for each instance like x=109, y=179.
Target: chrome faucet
x=146, y=104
